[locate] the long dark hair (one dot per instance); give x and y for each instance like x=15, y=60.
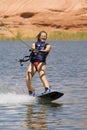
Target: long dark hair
x=38, y=36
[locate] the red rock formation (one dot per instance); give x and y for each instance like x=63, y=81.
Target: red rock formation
x=66, y=15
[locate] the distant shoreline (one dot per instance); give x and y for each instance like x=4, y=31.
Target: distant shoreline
x=54, y=35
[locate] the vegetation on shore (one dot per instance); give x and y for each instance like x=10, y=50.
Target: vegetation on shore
x=68, y=36
x=56, y=35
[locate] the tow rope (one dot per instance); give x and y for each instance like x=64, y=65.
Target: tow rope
x=24, y=59
x=27, y=58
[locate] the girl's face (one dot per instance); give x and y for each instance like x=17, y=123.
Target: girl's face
x=43, y=37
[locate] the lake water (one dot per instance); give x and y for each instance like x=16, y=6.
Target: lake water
x=66, y=72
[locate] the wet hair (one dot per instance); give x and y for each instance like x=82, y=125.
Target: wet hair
x=38, y=36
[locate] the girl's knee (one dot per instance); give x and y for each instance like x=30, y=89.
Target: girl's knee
x=42, y=74
x=28, y=75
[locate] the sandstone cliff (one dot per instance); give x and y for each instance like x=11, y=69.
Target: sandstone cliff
x=50, y=15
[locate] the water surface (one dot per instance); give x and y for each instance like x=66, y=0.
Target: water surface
x=66, y=72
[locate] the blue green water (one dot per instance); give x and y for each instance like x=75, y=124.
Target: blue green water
x=66, y=72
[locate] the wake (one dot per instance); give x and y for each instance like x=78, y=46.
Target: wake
x=15, y=99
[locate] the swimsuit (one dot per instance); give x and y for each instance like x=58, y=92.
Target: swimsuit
x=36, y=63
x=37, y=57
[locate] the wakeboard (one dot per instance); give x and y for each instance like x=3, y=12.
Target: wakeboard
x=53, y=95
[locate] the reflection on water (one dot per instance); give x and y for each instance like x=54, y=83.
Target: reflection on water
x=36, y=118
x=66, y=71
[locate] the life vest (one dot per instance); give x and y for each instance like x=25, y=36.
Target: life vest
x=39, y=56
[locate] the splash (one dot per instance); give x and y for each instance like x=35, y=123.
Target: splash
x=12, y=98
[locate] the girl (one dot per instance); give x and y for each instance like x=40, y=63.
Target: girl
x=40, y=50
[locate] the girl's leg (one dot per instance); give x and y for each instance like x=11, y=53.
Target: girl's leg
x=29, y=74
x=42, y=74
